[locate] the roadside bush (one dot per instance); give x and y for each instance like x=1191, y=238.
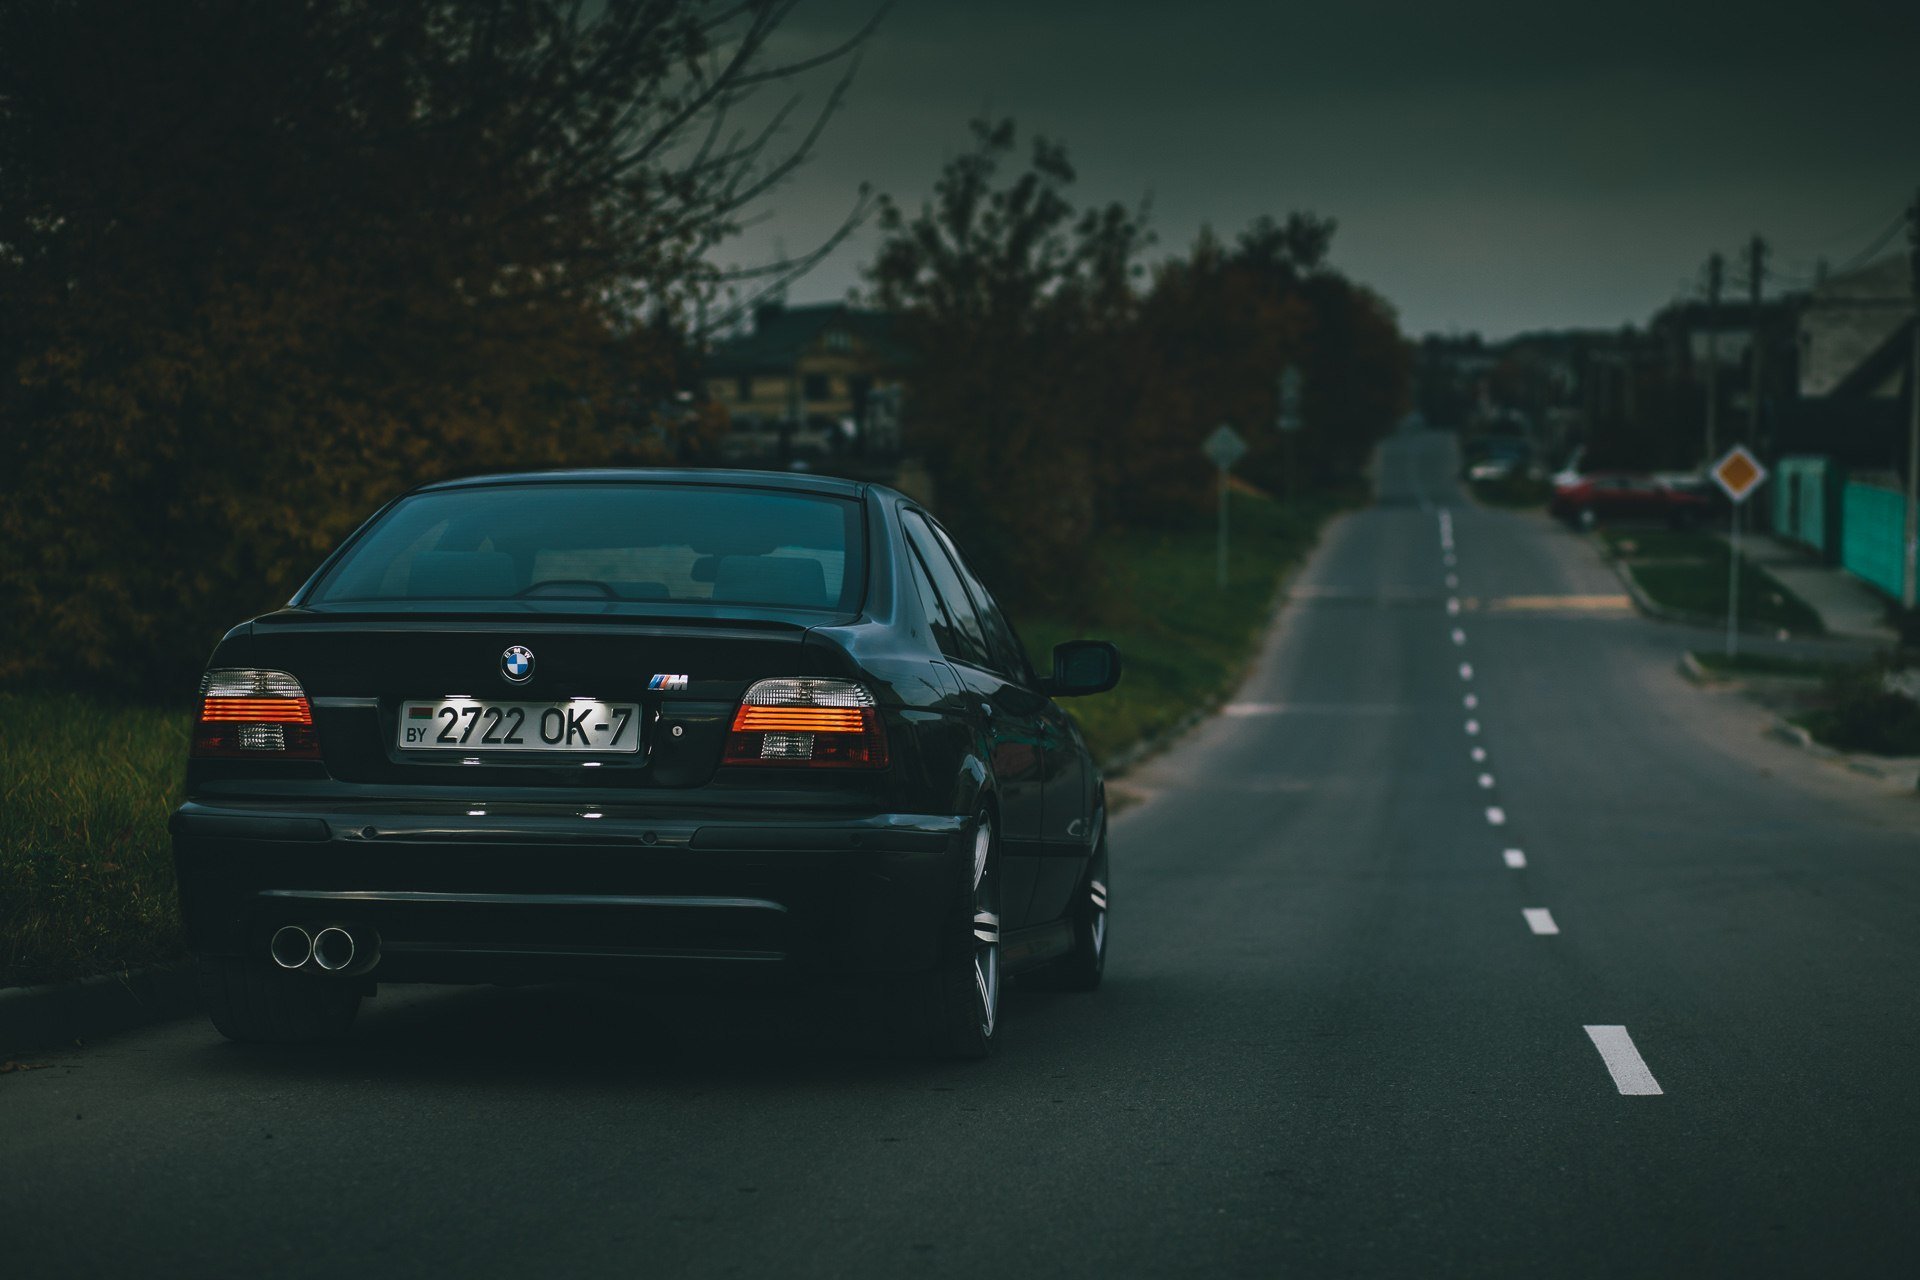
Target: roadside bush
x=1865, y=715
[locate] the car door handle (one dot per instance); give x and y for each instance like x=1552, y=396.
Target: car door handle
x=986, y=709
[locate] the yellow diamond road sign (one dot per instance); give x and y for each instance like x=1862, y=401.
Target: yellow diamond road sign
x=1739, y=473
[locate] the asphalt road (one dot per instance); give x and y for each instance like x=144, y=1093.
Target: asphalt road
x=1330, y=1041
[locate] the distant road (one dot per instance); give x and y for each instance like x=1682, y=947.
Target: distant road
x=1584, y=978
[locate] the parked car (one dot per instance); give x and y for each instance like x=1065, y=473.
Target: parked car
x=1626, y=497
x=1496, y=458
x=676, y=725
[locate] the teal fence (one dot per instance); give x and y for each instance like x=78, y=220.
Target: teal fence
x=1803, y=506
x=1873, y=520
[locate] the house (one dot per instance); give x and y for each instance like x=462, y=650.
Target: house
x=1843, y=489
x=809, y=381
x=1852, y=329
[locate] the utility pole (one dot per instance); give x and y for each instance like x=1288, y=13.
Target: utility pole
x=1716, y=273
x=1908, y=579
x=1756, y=277
x=1756, y=350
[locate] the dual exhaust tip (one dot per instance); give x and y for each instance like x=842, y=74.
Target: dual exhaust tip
x=330, y=950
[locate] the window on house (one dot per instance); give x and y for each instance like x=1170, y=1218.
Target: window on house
x=838, y=340
x=818, y=386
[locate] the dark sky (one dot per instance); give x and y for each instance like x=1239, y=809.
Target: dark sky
x=1493, y=167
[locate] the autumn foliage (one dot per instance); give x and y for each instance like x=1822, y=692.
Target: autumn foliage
x=1061, y=388
x=264, y=265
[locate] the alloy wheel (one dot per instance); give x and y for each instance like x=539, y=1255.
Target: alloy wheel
x=986, y=928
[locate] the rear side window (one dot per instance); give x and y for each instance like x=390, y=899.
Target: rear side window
x=1010, y=655
x=676, y=544
x=966, y=640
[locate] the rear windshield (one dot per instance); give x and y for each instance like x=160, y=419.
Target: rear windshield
x=681, y=544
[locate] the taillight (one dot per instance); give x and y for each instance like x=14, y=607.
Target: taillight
x=822, y=724
x=251, y=714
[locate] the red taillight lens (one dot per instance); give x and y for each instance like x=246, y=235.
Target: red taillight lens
x=805, y=723
x=252, y=714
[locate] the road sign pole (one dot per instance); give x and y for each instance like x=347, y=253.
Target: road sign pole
x=1733, y=587
x=1738, y=475
x=1223, y=448
x=1220, y=559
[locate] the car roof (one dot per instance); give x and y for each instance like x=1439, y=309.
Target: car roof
x=792, y=481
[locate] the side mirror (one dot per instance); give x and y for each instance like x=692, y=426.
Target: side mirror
x=1081, y=667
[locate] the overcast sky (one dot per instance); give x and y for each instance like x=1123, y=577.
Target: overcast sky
x=1492, y=166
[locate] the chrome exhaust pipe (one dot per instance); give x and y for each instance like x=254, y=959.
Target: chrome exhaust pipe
x=333, y=949
x=291, y=947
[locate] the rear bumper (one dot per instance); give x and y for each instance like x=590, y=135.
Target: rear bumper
x=546, y=892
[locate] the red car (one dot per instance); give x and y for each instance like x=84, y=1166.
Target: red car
x=1625, y=497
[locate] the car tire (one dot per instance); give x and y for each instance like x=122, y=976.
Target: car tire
x=953, y=1010
x=255, y=1002
x=1081, y=968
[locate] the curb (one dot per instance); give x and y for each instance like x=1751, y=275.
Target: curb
x=1715, y=621
x=1696, y=672
x=61, y=1013
x=1905, y=771
x=1143, y=749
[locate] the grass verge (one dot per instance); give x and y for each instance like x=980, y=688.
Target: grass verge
x=1688, y=572
x=1862, y=714
x=86, y=874
x=1183, y=641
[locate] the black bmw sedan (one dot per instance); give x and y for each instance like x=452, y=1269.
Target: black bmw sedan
x=663, y=725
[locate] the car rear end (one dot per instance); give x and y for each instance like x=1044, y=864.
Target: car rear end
x=564, y=729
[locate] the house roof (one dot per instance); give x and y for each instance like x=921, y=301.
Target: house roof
x=781, y=335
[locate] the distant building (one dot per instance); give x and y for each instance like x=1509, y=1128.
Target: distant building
x=1856, y=354
x=808, y=382
x=1853, y=332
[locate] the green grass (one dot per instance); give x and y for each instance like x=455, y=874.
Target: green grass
x=1765, y=664
x=86, y=873
x=1688, y=572
x=1183, y=641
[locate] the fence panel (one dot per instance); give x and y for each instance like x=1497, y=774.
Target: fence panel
x=1873, y=520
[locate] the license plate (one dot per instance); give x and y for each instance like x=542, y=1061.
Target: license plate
x=472, y=725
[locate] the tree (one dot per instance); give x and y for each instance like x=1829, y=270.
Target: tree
x=264, y=264
x=1006, y=294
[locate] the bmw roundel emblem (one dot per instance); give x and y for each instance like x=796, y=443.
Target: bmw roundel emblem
x=516, y=664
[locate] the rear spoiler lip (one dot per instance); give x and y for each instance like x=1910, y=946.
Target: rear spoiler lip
x=754, y=623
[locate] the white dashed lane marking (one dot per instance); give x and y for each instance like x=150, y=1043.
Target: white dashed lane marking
x=1479, y=755
x=1540, y=920
x=1473, y=726
x=1515, y=858
x=1466, y=671
x=1470, y=702
x=1624, y=1063
x=1486, y=782
x=1496, y=816
x=1459, y=636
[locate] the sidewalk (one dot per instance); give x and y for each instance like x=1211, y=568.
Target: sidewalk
x=1848, y=607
